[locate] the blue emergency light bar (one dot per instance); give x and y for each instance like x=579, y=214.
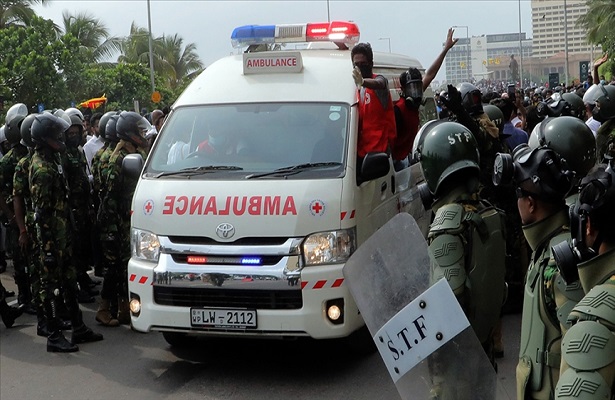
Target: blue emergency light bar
x=334, y=31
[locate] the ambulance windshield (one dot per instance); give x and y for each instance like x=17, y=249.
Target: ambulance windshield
x=244, y=140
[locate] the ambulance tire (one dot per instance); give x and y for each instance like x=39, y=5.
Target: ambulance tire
x=360, y=342
x=178, y=339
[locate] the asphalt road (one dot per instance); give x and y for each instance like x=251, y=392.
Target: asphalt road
x=138, y=366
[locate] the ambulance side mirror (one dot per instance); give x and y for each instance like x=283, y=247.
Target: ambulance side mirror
x=132, y=165
x=375, y=165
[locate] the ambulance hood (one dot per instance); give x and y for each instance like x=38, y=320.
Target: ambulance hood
x=256, y=208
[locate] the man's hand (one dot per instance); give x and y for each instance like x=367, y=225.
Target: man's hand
x=358, y=78
x=24, y=239
x=601, y=60
x=450, y=42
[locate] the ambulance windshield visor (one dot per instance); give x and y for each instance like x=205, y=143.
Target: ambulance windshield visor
x=235, y=141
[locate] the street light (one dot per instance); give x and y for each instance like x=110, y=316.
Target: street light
x=521, y=53
x=388, y=40
x=566, y=44
x=468, y=47
x=151, y=53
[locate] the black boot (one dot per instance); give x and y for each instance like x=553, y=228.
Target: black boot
x=83, y=334
x=56, y=342
x=9, y=314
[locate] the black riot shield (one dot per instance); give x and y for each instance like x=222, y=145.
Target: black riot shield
x=421, y=332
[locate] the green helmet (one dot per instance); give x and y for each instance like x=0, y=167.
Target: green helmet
x=571, y=139
x=447, y=148
x=495, y=115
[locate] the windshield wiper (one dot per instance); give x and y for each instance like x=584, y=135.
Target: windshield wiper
x=198, y=170
x=294, y=169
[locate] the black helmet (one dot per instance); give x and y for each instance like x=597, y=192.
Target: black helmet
x=447, y=148
x=411, y=83
x=75, y=140
x=571, y=139
x=471, y=98
x=132, y=126
x=26, y=126
x=111, y=129
x=47, y=131
x=577, y=107
x=75, y=112
x=14, y=117
x=495, y=115
x=102, y=124
x=540, y=172
x=604, y=109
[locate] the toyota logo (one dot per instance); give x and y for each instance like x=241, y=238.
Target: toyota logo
x=225, y=231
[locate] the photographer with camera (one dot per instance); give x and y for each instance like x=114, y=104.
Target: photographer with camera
x=541, y=179
x=590, y=257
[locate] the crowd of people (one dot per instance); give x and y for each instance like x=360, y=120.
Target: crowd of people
x=520, y=182
x=66, y=207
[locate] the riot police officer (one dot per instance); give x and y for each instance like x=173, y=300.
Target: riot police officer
x=49, y=191
x=466, y=238
x=590, y=257
x=604, y=112
x=541, y=180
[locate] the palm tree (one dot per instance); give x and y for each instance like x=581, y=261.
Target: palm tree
x=18, y=12
x=600, y=23
x=178, y=62
x=134, y=48
x=92, y=34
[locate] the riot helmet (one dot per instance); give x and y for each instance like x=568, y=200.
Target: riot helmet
x=132, y=126
x=74, y=133
x=102, y=124
x=75, y=112
x=48, y=131
x=62, y=114
x=540, y=173
x=571, y=139
x=596, y=200
x=411, y=83
x=14, y=117
x=576, y=106
x=26, y=126
x=592, y=94
x=420, y=137
x=495, y=115
x=111, y=129
x=471, y=98
x=604, y=109
x=447, y=148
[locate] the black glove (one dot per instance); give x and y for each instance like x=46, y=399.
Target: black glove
x=453, y=100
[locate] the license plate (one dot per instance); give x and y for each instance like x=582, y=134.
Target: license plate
x=223, y=318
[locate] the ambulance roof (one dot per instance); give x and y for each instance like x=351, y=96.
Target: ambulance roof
x=326, y=77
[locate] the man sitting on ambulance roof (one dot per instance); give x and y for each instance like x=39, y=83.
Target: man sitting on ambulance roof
x=376, y=116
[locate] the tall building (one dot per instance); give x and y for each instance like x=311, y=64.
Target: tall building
x=550, y=21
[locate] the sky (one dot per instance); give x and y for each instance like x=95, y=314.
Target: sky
x=416, y=28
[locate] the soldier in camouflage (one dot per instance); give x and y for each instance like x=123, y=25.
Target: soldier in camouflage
x=116, y=205
x=14, y=119
x=49, y=191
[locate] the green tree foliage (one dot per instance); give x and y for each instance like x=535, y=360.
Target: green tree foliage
x=17, y=12
x=93, y=35
x=122, y=84
x=37, y=66
x=600, y=25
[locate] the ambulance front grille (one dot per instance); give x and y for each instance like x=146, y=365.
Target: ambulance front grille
x=228, y=298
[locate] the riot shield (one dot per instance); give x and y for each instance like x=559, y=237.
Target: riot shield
x=422, y=334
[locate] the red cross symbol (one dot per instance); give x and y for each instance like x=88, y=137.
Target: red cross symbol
x=148, y=207
x=317, y=207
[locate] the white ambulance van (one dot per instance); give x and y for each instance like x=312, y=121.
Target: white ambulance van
x=248, y=205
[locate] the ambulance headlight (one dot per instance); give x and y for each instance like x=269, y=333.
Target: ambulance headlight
x=145, y=245
x=329, y=247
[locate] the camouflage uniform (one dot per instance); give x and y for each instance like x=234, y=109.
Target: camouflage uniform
x=79, y=203
x=7, y=170
x=115, y=210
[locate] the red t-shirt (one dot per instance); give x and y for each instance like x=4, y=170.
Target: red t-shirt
x=407, y=127
x=376, y=122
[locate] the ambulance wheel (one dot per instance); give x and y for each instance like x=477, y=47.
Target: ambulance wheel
x=360, y=342
x=178, y=339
